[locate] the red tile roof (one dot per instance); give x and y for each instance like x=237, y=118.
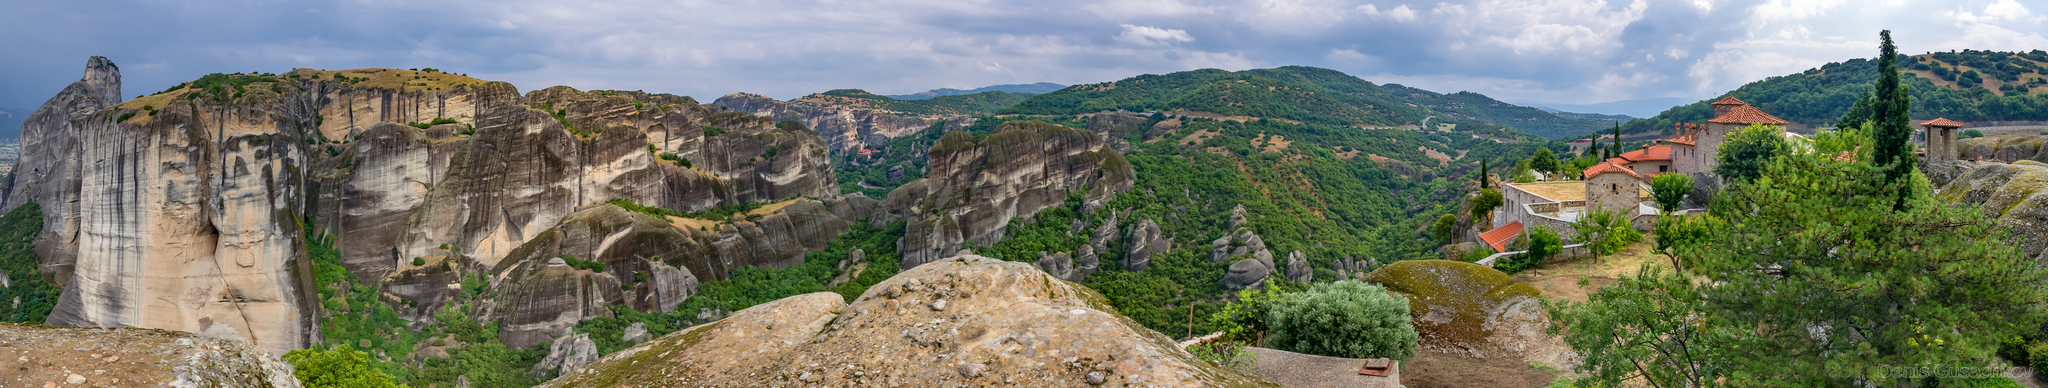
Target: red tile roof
x=1498, y=237
x=1748, y=115
x=1729, y=100
x=1658, y=152
x=1608, y=167
x=1942, y=122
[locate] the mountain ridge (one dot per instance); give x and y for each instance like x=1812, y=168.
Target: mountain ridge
x=1031, y=88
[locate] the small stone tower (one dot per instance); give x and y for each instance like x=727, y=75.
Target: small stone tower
x=1941, y=139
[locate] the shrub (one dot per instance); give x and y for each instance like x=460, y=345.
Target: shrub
x=1233, y=355
x=1542, y=244
x=419, y=261
x=1972, y=133
x=582, y=264
x=341, y=366
x=1445, y=227
x=1344, y=319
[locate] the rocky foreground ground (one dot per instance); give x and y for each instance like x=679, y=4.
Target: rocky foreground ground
x=49, y=356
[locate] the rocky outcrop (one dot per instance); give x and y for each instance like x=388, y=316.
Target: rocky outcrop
x=842, y=128
x=1349, y=268
x=976, y=187
x=1250, y=270
x=179, y=216
x=2013, y=194
x=1465, y=308
x=567, y=355
x=40, y=356
x=2007, y=148
x=1060, y=266
x=634, y=333
x=960, y=321
x=416, y=292
x=541, y=299
x=1243, y=242
x=1146, y=240
x=1297, y=268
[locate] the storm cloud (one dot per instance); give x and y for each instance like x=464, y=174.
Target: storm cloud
x=1571, y=51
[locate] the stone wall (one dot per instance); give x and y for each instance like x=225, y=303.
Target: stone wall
x=1613, y=191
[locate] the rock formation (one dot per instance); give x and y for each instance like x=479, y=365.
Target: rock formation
x=1297, y=268
x=567, y=355
x=1465, y=308
x=123, y=357
x=186, y=209
x=2009, y=193
x=1059, y=266
x=966, y=320
x=1236, y=244
x=976, y=188
x=178, y=216
x=842, y=128
x=541, y=299
x=1146, y=240
x=1250, y=271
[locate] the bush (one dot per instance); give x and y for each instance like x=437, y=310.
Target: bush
x=1344, y=319
x=1445, y=227
x=1542, y=244
x=1972, y=134
x=340, y=367
x=1233, y=355
x=582, y=264
x=419, y=261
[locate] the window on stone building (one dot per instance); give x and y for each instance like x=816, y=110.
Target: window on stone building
x=1663, y=168
x=1614, y=187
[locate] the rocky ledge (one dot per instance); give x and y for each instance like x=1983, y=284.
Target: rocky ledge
x=966, y=320
x=45, y=356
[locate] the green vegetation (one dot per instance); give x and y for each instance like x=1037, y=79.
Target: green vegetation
x=1971, y=134
x=1669, y=190
x=1542, y=244
x=1445, y=227
x=442, y=120
x=356, y=318
x=1606, y=231
x=1823, y=95
x=1743, y=156
x=1483, y=205
x=1346, y=319
x=18, y=262
x=581, y=264
x=1233, y=355
x=718, y=213
x=1528, y=120
x=1821, y=271
x=338, y=367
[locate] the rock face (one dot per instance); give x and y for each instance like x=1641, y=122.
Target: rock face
x=843, y=129
x=180, y=219
x=1002, y=324
x=1297, y=268
x=186, y=210
x=124, y=357
x=537, y=300
x=1146, y=240
x=1236, y=244
x=2009, y=193
x=566, y=355
x=2008, y=148
x=1249, y=271
x=975, y=189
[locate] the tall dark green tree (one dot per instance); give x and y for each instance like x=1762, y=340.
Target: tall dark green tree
x=1888, y=110
x=1615, y=151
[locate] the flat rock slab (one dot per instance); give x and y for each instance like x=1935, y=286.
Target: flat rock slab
x=1296, y=370
x=36, y=355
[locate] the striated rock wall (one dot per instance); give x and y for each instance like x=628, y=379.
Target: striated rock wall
x=185, y=210
x=976, y=188
x=963, y=321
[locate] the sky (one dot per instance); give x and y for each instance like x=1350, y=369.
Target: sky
x=1564, y=51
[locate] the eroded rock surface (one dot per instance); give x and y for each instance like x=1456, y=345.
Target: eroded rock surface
x=842, y=128
x=976, y=188
x=2014, y=194
x=1146, y=240
x=568, y=354
x=39, y=356
x=1001, y=323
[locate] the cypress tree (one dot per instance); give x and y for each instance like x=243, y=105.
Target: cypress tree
x=1888, y=111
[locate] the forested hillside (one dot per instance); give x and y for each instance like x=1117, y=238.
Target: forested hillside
x=1964, y=86
x=1477, y=106
x=965, y=104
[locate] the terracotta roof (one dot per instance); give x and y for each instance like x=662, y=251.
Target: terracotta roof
x=1610, y=166
x=1615, y=160
x=1498, y=237
x=1658, y=152
x=1686, y=140
x=1729, y=100
x=1942, y=122
x=1748, y=115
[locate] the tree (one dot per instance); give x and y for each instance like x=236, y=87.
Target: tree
x=1615, y=151
x=1483, y=205
x=1888, y=113
x=1482, y=174
x=1348, y=319
x=1247, y=318
x=1742, y=157
x=1543, y=243
x=1445, y=227
x=1669, y=189
x=339, y=367
x=1653, y=328
x=1605, y=231
x=1543, y=161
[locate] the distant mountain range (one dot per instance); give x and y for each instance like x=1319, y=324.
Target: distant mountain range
x=1638, y=108
x=1037, y=88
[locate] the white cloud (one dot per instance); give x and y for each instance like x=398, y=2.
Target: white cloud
x=1152, y=36
x=1399, y=13
x=1725, y=70
x=1542, y=26
x=1794, y=9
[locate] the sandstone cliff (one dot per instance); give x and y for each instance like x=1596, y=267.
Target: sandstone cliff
x=977, y=186
x=967, y=320
x=842, y=128
x=185, y=209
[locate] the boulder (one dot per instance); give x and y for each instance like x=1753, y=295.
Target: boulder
x=895, y=174
x=1060, y=266
x=128, y=357
x=1247, y=272
x=1466, y=308
x=2014, y=194
x=1146, y=240
x=1105, y=232
x=1085, y=263
x=1297, y=268
x=1003, y=323
x=1237, y=217
x=635, y=333
x=568, y=354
